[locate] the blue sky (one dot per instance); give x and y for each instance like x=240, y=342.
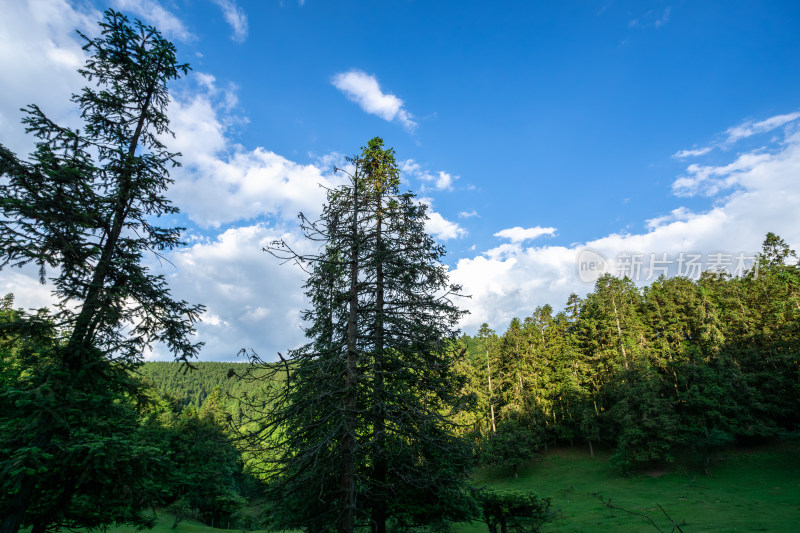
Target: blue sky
x=533, y=130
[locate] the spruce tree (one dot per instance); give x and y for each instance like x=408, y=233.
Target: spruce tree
x=83, y=210
x=362, y=432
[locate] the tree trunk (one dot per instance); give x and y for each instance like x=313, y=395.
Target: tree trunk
x=491, y=402
x=18, y=504
x=619, y=333
x=347, y=480
x=379, y=469
x=83, y=332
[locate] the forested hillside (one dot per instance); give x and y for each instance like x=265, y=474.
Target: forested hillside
x=677, y=365
x=191, y=386
x=647, y=371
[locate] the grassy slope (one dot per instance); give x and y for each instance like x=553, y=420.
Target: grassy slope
x=164, y=525
x=751, y=490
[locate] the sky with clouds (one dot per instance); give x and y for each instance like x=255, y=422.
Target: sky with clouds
x=550, y=141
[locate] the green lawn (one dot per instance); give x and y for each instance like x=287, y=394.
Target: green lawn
x=164, y=525
x=750, y=490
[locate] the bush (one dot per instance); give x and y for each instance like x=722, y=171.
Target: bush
x=513, y=510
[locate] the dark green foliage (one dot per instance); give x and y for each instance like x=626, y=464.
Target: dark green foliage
x=647, y=426
x=204, y=465
x=95, y=469
x=510, y=446
x=513, y=510
x=201, y=475
x=678, y=364
x=84, y=205
x=362, y=433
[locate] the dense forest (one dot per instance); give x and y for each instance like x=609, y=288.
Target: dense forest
x=380, y=419
x=647, y=371
x=192, y=385
x=679, y=365
x=677, y=368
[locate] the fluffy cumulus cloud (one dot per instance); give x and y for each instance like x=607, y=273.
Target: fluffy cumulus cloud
x=519, y=234
x=235, y=17
x=40, y=66
x=440, y=227
x=364, y=90
x=253, y=300
x=221, y=182
x=756, y=193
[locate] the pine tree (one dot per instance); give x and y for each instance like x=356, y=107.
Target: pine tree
x=488, y=341
x=363, y=432
x=84, y=207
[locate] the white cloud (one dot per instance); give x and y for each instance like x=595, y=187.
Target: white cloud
x=24, y=284
x=518, y=234
x=680, y=213
x=39, y=55
x=444, y=181
x=710, y=180
x=364, y=89
x=511, y=279
x=440, y=227
x=744, y=130
x=682, y=154
x=235, y=17
x=438, y=181
x=157, y=15
x=253, y=301
x=750, y=128
x=651, y=19
x=221, y=182
x=468, y=214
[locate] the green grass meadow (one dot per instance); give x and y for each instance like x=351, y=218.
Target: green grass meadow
x=165, y=522
x=755, y=489
x=749, y=490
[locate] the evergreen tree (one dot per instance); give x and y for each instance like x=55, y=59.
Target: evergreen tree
x=84, y=207
x=363, y=430
x=488, y=341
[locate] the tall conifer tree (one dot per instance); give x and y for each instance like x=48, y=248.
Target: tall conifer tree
x=362, y=432
x=84, y=206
